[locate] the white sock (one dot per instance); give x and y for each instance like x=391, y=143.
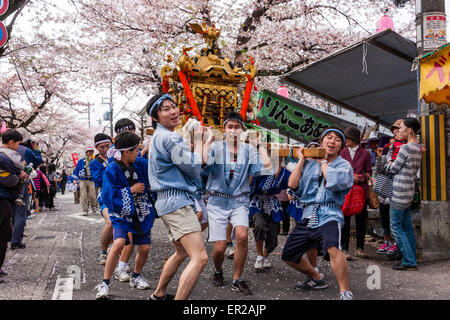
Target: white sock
x=259, y=258
x=317, y=269
x=122, y=265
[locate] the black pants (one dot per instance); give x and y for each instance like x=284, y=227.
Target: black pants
x=361, y=228
x=63, y=187
x=5, y=227
x=43, y=197
x=51, y=195
x=266, y=230
x=287, y=218
x=385, y=219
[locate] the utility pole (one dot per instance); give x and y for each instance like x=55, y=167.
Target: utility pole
x=109, y=101
x=430, y=25
x=89, y=115
x=431, y=34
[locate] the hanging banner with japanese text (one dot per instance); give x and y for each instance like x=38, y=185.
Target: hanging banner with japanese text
x=75, y=159
x=294, y=119
x=435, y=76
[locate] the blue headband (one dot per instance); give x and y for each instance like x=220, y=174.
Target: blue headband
x=159, y=101
x=235, y=119
x=333, y=130
x=313, y=144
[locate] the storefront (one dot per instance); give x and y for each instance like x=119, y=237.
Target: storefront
x=434, y=69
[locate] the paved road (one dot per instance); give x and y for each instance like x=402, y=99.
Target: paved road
x=59, y=262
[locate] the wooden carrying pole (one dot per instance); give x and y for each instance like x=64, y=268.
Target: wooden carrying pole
x=286, y=151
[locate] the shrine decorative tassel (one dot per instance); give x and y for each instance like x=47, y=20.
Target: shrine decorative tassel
x=165, y=84
x=246, y=100
x=190, y=96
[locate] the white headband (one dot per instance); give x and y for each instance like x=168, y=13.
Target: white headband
x=102, y=141
x=129, y=148
x=117, y=154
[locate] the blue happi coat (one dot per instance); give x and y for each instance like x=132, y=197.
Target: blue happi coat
x=264, y=194
x=121, y=203
x=329, y=196
x=79, y=173
x=295, y=208
x=218, y=169
x=97, y=169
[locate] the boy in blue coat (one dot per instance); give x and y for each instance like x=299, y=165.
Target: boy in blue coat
x=126, y=195
x=266, y=212
x=102, y=142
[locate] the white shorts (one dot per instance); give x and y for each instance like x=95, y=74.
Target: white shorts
x=201, y=206
x=218, y=219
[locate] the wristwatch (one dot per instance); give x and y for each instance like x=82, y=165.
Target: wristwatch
x=324, y=161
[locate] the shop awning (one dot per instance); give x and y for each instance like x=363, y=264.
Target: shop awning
x=435, y=76
x=372, y=77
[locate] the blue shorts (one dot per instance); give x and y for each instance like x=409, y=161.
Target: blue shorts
x=303, y=238
x=123, y=234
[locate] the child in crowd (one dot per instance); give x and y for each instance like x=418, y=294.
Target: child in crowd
x=11, y=140
x=266, y=212
x=126, y=196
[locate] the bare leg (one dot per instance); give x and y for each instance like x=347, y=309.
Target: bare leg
x=218, y=254
x=107, y=233
x=229, y=230
x=141, y=257
x=240, y=254
x=169, y=269
x=195, y=248
x=113, y=258
x=259, y=247
x=312, y=257
x=189, y=245
x=304, y=267
x=340, y=267
x=127, y=250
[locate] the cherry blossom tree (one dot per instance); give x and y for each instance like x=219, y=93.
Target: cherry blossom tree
x=71, y=46
x=40, y=90
x=63, y=137
x=129, y=40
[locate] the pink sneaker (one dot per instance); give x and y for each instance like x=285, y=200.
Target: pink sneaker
x=392, y=249
x=383, y=248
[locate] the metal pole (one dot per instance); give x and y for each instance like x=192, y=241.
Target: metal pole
x=429, y=14
x=89, y=115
